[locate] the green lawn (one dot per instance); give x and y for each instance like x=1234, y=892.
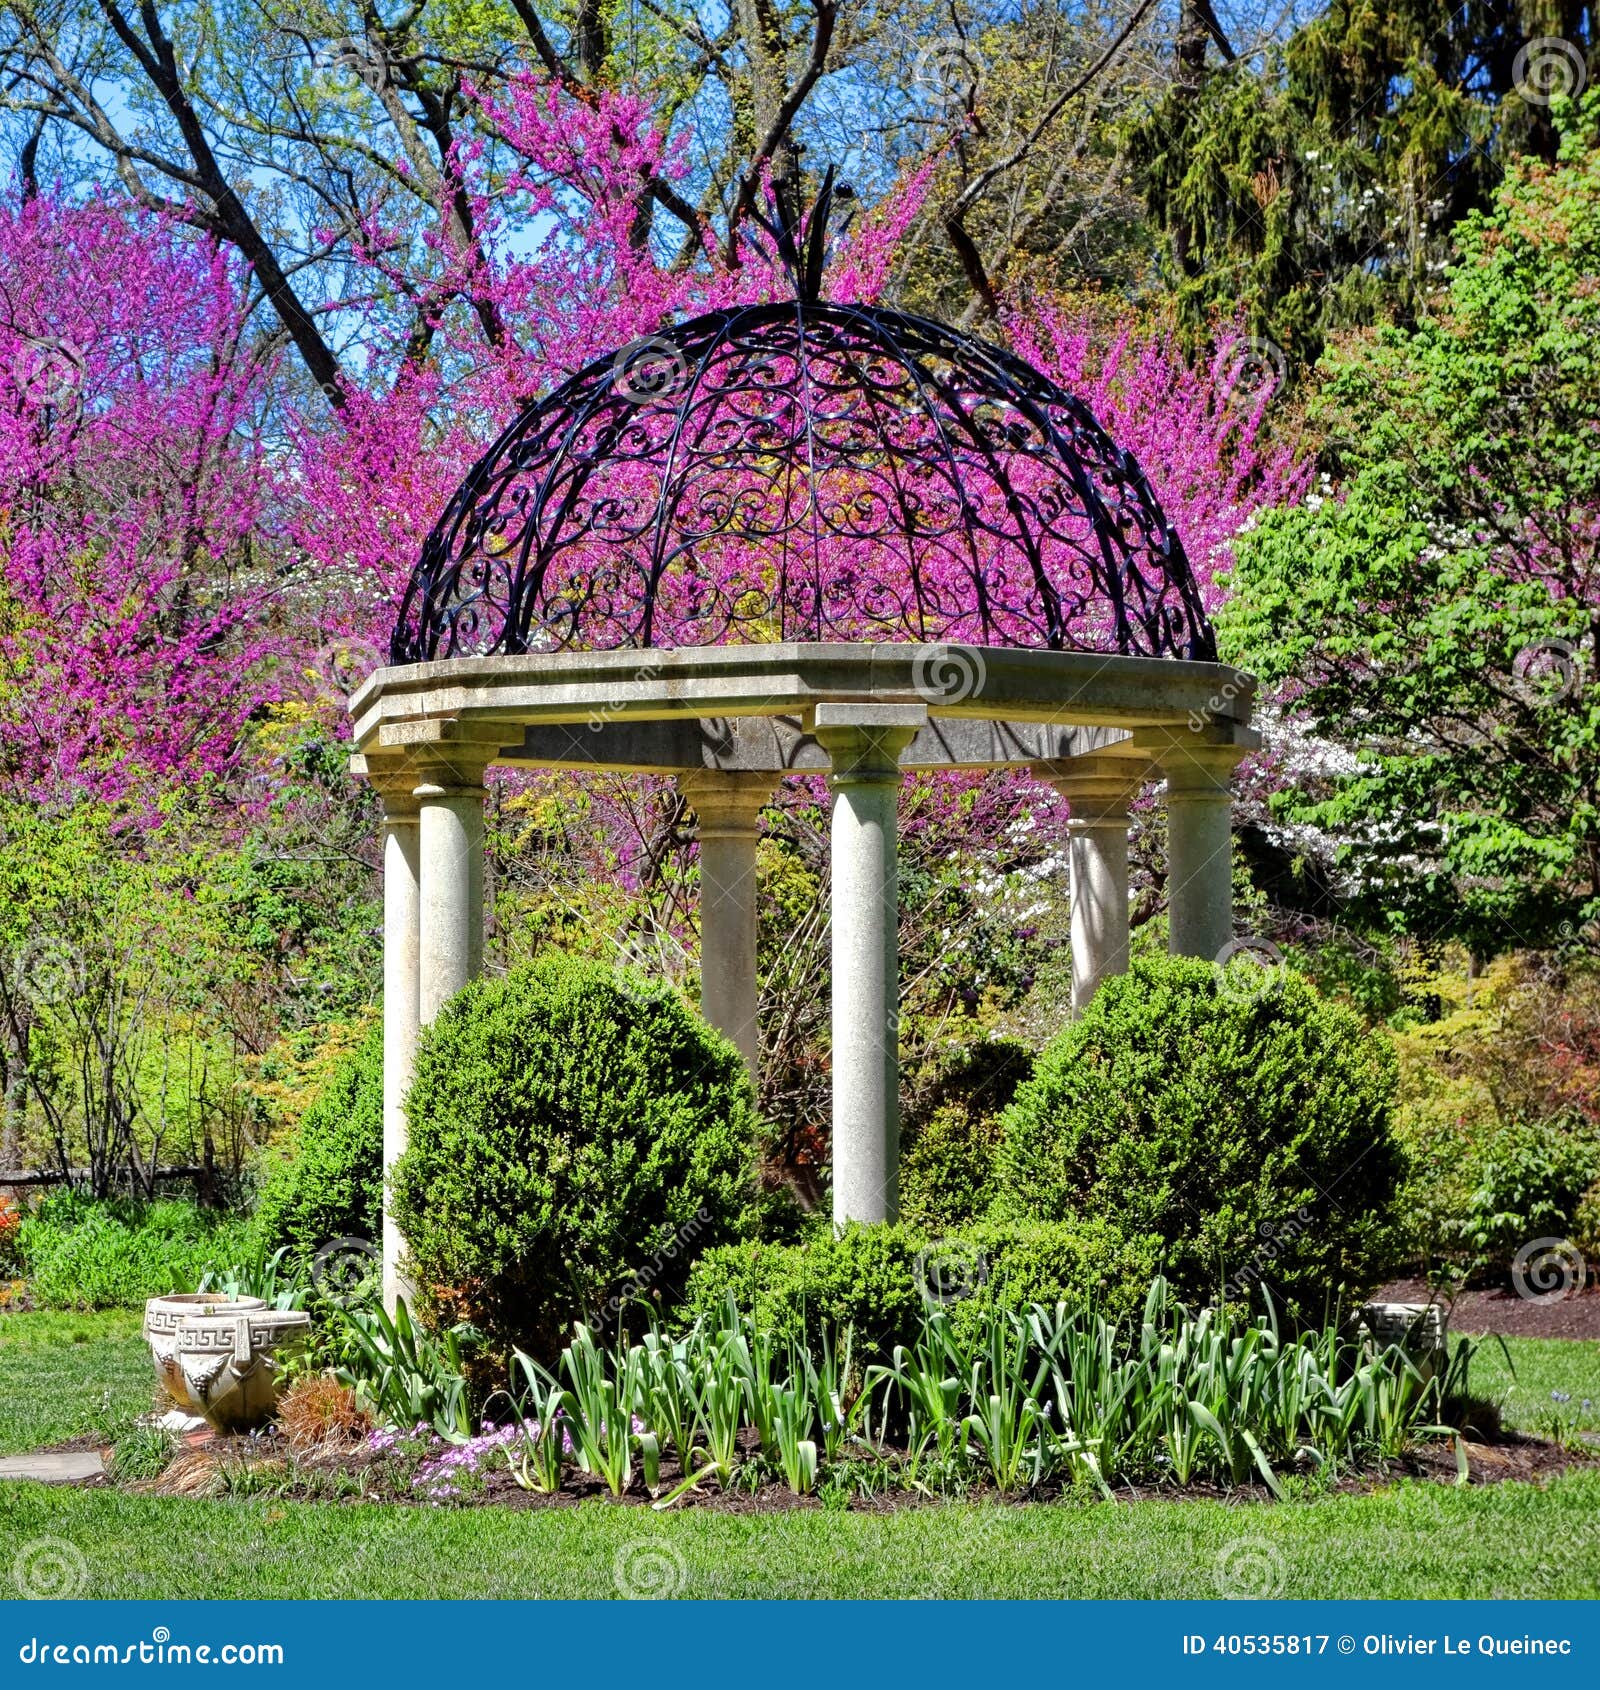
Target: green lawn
x=1542, y=1365
x=60, y=1374
x=1414, y=1540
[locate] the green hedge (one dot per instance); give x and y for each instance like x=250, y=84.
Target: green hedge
x=879, y=1280
x=1232, y=1114
x=329, y=1184
x=577, y=1136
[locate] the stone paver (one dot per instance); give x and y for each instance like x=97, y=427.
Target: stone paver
x=54, y=1467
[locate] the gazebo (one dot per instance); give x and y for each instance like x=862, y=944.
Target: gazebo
x=790, y=539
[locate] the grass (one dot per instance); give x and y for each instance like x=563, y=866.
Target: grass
x=1414, y=1540
x=1542, y=1365
x=61, y=1374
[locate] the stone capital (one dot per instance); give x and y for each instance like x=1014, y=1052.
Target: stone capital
x=394, y=779
x=727, y=805
x=457, y=774
x=1099, y=790
x=1196, y=762
x=1200, y=771
x=864, y=741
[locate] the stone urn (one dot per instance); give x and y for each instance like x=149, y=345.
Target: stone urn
x=1417, y=1328
x=229, y=1359
x=162, y=1317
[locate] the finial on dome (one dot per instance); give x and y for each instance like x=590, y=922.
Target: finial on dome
x=801, y=240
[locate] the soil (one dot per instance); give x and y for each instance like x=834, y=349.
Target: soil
x=275, y=1468
x=1500, y=1309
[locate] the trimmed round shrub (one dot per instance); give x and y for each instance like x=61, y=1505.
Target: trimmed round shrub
x=577, y=1136
x=1231, y=1113
x=330, y=1185
x=881, y=1280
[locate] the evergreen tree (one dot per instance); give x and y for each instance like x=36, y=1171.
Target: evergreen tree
x=1317, y=188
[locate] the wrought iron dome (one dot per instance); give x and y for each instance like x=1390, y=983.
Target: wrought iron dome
x=804, y=471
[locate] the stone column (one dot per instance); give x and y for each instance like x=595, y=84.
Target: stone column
x=1199, y=848
x=864, y=743
x=727, y=809
x=450, y=925
x=1099, y=795
x=401, y=909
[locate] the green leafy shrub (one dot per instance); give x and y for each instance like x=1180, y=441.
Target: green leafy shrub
x=577, y=1136
x=882, y=1280
x=945, y=1171
x=327, y=1182
x=953, y=1132
x=82, y=1254
x=1232, y=1114
x=1586, y=1223
x=1530, y=1183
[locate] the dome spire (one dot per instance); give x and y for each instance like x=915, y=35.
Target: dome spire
x=801, y=241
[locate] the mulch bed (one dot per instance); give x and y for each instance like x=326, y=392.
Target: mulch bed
x=273, y=1467
x=1500, y=1309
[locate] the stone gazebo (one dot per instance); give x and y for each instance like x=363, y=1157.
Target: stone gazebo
x=803, y=538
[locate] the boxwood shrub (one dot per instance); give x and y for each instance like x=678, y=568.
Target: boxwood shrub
x=879, y=1280
x=1232, y=1114
x=577, y=1136
x=330, y=1183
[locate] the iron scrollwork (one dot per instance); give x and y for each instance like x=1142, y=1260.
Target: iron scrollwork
x=804, y=471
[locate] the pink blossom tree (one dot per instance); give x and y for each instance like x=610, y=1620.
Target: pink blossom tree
x=131, y=483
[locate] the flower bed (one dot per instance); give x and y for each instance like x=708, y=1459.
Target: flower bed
x=1057, y=1403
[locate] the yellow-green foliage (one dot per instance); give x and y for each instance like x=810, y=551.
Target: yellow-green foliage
x=1499, y=1055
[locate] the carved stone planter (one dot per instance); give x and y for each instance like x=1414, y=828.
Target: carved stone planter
x=162, y=1318
x=229, y=1360
x=1417, y=1328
